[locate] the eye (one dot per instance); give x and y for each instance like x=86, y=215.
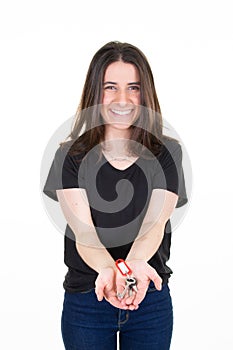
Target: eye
x=134, y=88
x=110, y=87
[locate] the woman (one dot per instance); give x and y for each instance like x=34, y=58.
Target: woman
x=118, y=180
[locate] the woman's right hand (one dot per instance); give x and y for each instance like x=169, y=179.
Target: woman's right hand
x=105, y=287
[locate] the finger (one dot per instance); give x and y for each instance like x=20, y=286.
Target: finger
x=115, y=302
x=154, y=276
x=139, y=296
x=128, y=300
x=99, y=289
x=158, y=284
x=133, y=307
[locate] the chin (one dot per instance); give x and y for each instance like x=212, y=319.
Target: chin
x=119, y=126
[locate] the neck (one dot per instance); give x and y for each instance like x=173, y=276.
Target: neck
x=112, y=133
x=116, y=140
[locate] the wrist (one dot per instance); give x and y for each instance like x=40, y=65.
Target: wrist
x=137, y=265
x=135, y=260
x=105, y=268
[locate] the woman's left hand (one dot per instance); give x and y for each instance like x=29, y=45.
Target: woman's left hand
x=143, y=273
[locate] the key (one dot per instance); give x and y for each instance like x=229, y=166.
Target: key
x=131, y=282
x=130, y=286
x=121, y=295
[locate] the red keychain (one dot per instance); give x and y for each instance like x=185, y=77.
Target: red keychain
x=131, y=282
x=123, y=267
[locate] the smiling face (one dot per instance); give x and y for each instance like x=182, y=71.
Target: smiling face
x=121, y=96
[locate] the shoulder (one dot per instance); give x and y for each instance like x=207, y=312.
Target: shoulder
x=170, y=145
x=170, y=148
x=64, y=154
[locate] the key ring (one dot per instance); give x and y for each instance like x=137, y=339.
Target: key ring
x=131, y=282
x=123, y=267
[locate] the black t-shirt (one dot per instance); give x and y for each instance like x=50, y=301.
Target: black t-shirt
x=118, y=202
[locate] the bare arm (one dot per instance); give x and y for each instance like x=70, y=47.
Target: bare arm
x=161, y=206
x=75, y=207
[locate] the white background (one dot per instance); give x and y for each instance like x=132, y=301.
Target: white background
x=46, y=47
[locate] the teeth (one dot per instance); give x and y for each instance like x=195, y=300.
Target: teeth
x=128, y=111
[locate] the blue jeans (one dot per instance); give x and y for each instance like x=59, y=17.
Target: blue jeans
x=89, y=324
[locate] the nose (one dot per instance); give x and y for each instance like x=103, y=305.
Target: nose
x=122, y=98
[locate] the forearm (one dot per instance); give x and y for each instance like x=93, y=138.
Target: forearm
x=89, y=247
x=147, y=244
x=74, y=205
x=151, y=233
x=96, y=258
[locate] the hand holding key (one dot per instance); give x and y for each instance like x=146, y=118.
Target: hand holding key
x=105, y=287
x=126, y=292
x=143, y=273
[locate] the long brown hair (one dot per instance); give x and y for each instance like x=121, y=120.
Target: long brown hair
x=146, y=131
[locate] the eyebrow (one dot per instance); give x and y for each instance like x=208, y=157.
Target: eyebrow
x=114, y=83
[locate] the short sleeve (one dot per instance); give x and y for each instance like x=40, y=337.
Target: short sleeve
x=170, y=174
x=63, y=173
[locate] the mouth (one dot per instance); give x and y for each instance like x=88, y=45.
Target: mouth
x=118, y=112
